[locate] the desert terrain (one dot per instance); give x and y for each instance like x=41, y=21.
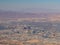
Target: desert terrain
x=30, y=31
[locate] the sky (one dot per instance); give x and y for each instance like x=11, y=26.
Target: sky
x=32, y=5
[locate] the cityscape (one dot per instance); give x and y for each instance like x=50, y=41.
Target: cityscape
x=29, y=22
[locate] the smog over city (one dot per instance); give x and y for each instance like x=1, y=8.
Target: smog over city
x=29, y=22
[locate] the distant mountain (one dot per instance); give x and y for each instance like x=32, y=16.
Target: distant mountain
x=12, y=14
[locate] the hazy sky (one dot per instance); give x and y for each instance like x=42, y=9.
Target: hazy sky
x=18, y=5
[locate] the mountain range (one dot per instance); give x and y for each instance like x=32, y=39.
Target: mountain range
x=13, y=14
